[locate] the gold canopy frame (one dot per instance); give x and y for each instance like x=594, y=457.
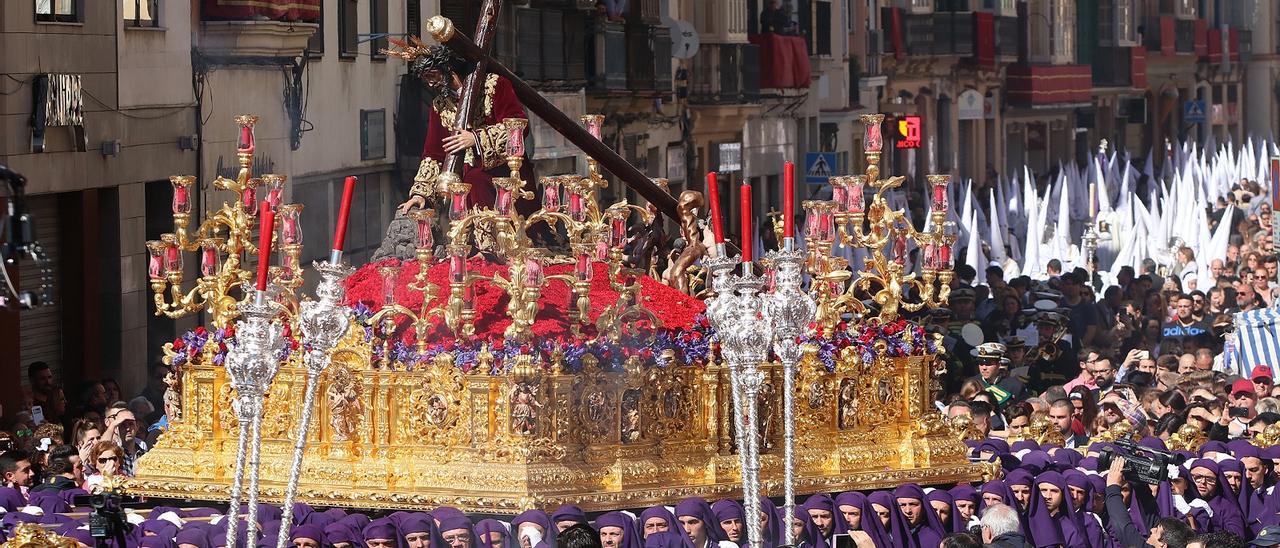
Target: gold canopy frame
x=543, y=437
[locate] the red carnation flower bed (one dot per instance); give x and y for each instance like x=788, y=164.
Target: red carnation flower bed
x=674, y=309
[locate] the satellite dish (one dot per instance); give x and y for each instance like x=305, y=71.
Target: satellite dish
x=684, y=39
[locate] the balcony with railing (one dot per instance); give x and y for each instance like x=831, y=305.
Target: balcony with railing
x=267, y=28
x=1159, y=35
x=725, y=74
x=1120, y=67
x=1244, y=40
x=551, y=57
x=1007, y=36
x=606, y=56
x=1184, y=36
x=953, y=33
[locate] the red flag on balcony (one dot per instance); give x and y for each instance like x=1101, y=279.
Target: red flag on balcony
x=304, y=11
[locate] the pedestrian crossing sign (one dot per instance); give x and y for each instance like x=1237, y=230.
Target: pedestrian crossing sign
x=819, y=166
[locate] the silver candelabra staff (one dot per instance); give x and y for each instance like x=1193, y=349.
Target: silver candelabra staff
x=251, y=366
x=789, y=310
x=745, y=337
x=323, y=323
x=719, y=309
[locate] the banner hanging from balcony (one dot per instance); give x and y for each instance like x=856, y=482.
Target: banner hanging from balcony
x=304, y=11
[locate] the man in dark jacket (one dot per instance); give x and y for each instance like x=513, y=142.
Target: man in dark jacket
x=1001, y=527
x=65, y=470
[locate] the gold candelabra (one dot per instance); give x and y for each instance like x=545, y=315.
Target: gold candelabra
x=222, y=240
x=854, y=221
x=384, y=319
x=568, y=201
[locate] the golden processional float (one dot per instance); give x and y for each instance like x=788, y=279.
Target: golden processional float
x=493, y=376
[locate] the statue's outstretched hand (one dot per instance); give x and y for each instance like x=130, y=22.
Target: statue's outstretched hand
x=413, y=201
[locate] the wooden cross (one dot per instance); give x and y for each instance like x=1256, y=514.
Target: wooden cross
x=473, y=88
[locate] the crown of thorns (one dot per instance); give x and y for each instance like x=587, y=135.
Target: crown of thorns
x=424, y=58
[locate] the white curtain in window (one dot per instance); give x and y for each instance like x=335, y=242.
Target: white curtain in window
x=44, y=7
x=141, y=10
x=1064, y=30
x=64, y=7
x=1126, y=29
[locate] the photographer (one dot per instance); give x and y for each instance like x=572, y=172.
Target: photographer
x=1121, y=526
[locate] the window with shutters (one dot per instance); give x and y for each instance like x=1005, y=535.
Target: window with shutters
x=59, y=11
x=918, y=6
x=1126, y=22
x=378, y=29
x=141, y=13
x=1064, y=31
x=413, y=17
x=315, y=46
x=348, y=29
x=1185, y=9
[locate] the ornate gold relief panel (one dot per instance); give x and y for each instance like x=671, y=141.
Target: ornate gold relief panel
x=436, y=411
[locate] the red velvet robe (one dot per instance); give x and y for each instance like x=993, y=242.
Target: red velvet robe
x=487, y=159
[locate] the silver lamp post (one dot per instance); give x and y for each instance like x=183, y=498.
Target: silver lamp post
x=251, y=366
x=323, y=323
x=789, y=310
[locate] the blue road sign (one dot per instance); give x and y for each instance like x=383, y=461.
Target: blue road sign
x=1193, y=112
x=818, y=166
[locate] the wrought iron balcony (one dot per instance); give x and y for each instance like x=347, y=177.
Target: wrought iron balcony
x=630, y=57
x=725, y=74
x=1120, y=67
x=1184, y=36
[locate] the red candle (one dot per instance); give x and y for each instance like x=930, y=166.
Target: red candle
x=746, y=224
x=340, y=234
x=788, y=200
x=181, y=202
x=173, y=258
x=155, y=266
x=265, y=229
x=713, y=197
x=246, y=144
x=250, y=200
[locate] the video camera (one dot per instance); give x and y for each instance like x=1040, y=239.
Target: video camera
x=1141, y=464
x=106, y=517
x=18, y=241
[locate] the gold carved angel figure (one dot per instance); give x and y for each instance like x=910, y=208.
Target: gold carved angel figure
x=630, y=431
x=345, y=407
x=848, y=404
x=524, y=409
